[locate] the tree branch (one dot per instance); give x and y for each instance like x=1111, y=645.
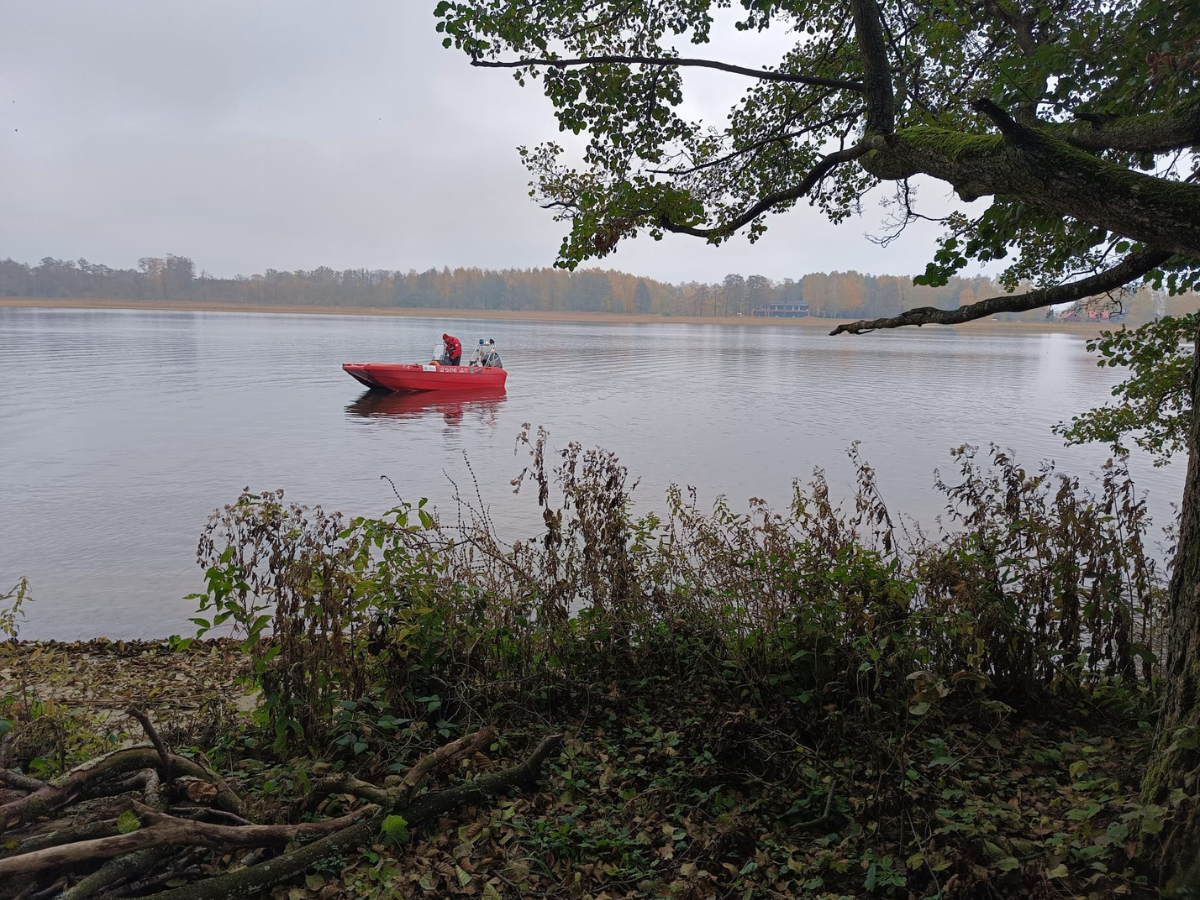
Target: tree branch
x=148, y=727
x=1152, y=133
x=1004, y=122
x=1133, y=266
x=758, y=145
x=811, y=180
x=673, y=62
x=872, y=50
x=1050, y=175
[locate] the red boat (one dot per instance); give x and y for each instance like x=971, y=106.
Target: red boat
x=427, y=377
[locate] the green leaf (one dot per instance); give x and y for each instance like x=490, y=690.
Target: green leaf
x=395, y=829
x=1117, y=832
x=1085, y=813
x=128, y=822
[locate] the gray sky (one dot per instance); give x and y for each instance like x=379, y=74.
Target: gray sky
x=254, y=134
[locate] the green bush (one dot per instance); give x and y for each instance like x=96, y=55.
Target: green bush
x=1044, y=587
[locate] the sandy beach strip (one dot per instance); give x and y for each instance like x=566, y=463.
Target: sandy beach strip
x=810, y=323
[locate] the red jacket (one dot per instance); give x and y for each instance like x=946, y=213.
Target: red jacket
x=453, y=346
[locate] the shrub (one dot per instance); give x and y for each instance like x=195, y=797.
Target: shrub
x=1043, y=588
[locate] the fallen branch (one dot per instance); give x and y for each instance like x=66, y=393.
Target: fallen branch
x=343, y=784
x=20, y=782
x=201, y=812
x=60, y=792
x=824, y=817
x=163, y=756
x=63, y=833
x=116, y=870
x=421, y=811
x=165, y=829
x=390, y=797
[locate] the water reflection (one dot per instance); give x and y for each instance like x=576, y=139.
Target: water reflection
x=482, y=406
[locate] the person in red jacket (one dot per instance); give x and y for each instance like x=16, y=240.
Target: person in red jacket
x=453, y=349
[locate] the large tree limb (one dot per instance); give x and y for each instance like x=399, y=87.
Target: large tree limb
x=1151, y=133
x=1048, y=174
x=672, y=62
x=1132, y=267
x=810, y=181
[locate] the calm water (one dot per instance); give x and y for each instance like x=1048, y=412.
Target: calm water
x=121, y=431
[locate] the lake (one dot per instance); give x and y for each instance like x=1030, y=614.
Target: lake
x=120, y=431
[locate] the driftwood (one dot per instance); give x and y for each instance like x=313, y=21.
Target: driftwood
x=78, y=856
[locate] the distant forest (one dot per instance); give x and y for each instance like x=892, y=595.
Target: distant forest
x=175, y=278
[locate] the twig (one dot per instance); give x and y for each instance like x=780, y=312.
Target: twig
x=46, y=893
x=195, y=812
x=824, y=817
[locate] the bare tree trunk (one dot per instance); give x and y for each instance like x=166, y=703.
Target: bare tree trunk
x=1176, y=761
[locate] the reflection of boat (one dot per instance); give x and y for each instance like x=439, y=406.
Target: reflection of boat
x=377, y=403
x=428, y=377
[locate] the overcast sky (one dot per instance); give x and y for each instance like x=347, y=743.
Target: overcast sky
x=254, y=134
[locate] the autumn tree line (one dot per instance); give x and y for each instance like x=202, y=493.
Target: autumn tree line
x=828, y=295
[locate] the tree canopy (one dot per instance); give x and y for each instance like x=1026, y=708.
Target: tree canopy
x=1078, y=118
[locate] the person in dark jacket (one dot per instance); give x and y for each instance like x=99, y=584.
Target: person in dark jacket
x=453, y=349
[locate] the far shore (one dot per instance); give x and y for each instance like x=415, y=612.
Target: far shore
x=813, y=323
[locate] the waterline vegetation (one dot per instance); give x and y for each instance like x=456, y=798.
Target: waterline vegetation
x=821, y=700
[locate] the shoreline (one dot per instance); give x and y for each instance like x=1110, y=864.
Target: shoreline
x=813, y=323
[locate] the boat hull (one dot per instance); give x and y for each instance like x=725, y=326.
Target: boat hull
x=401, y=377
